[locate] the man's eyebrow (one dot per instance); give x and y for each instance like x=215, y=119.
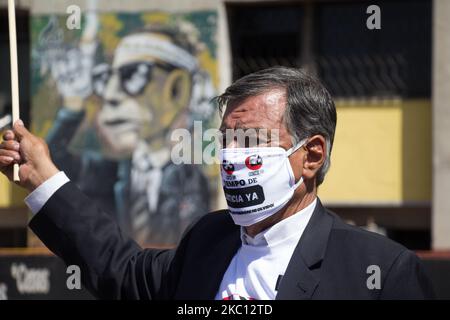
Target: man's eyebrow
x=241, y=127
x=223, y=130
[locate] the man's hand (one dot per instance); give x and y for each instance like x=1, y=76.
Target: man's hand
x=30, y=152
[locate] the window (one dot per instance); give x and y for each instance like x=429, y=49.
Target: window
x=332, y=39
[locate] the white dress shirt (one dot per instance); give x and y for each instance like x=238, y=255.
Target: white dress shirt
x=260, y=262
x=37, y=199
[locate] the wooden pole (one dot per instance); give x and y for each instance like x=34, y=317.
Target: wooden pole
x=14, y=70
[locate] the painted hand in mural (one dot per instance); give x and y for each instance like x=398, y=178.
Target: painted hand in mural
x=72, y=70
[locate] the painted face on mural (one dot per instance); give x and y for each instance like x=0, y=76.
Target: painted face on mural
x=145, y=91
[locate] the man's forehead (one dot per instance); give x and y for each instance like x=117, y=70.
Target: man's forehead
x=260, y=111
x=270, y=97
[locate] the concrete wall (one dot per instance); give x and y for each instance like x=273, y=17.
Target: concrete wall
x=441, y=125
x=60, y=6
x=19, y=3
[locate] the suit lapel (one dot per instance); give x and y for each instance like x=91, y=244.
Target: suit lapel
x=302, y=274
x=215, y=263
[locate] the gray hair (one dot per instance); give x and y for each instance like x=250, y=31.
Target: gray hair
x=310, y=110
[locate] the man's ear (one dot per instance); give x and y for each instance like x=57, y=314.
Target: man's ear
x=315, y=156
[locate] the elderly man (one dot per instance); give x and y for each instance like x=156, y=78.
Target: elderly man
x=276, y=241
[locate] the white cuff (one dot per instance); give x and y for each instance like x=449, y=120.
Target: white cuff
x=37, y=199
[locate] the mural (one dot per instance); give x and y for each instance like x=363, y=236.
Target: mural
x=107, y=97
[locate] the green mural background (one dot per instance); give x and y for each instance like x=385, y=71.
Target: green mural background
x=50, y=39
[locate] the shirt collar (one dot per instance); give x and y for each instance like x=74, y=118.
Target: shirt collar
x=286, y=228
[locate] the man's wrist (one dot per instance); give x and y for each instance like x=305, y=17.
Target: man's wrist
x=38, y=178
x=39, y=197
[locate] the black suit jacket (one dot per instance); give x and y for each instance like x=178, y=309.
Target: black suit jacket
x=330, y=261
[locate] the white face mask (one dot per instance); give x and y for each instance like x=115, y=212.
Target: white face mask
x=257, y=182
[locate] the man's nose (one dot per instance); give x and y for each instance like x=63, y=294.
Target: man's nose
x=113, y=92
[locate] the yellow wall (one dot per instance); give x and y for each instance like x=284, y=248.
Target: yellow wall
x=10, y=194
x=381, y=154
x=4, y=192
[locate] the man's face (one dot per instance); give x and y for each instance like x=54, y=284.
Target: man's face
x=265, y=111
x=141, y=98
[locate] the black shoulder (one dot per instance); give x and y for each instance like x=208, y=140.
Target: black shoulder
x=407, y=279
x=212, y=225
x=359, y=241
x=214, y=222
x=358, y=253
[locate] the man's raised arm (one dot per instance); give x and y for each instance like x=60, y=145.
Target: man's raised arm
x=112, y=265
